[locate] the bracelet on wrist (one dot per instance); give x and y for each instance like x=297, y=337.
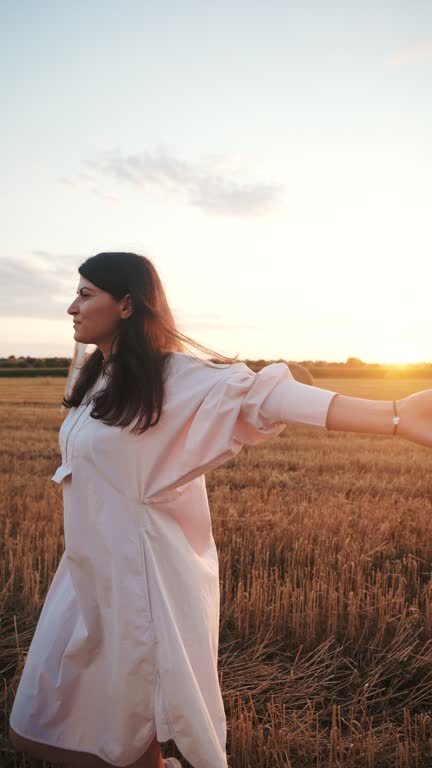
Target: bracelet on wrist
x=396, y=418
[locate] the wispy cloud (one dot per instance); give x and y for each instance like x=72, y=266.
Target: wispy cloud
x=413, y=53
x=199, y=184
x=36, y=288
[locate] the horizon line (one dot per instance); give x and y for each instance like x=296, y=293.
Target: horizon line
x=358, y=364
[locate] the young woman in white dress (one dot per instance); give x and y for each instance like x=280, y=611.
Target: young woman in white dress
x=114, y=667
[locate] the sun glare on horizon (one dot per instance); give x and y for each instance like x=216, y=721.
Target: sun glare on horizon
x=398, y=354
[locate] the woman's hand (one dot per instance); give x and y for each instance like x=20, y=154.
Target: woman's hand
x=415, y=413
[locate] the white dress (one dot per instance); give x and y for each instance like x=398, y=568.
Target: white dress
x=126, y=645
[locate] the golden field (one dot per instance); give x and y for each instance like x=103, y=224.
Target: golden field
x=325, y=550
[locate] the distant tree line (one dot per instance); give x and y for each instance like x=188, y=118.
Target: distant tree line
x=353, y=368
x=34, y=362
x=304, y=370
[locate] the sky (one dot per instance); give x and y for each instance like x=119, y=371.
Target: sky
x=273, y=160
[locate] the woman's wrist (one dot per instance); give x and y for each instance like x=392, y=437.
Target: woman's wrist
x=356, y=414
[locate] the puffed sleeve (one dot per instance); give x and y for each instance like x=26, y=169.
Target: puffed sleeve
x=225, y=407
x=290, y=401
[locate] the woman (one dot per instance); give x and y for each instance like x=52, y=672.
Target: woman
x=124, y=655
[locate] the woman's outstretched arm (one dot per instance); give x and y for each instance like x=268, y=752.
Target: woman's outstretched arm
x=292, y=402
x=356, y=414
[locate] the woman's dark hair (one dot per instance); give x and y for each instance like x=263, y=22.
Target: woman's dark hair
x=146, y=339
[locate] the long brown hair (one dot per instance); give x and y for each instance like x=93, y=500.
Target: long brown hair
x=146, y=339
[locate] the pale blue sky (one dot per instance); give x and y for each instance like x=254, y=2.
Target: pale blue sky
x=272, y=159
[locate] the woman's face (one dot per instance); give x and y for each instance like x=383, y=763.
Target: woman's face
x=97, y=315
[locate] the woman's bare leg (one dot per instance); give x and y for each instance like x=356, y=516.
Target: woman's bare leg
x=73, y=759
x=151, y=759
x=153, y=756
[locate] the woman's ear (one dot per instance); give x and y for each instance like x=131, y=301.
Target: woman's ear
x=126, y=307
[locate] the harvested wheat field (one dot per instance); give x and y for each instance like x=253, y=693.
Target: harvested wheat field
x=325, y=549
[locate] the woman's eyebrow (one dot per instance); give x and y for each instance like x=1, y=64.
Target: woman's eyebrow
x=85, y=288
